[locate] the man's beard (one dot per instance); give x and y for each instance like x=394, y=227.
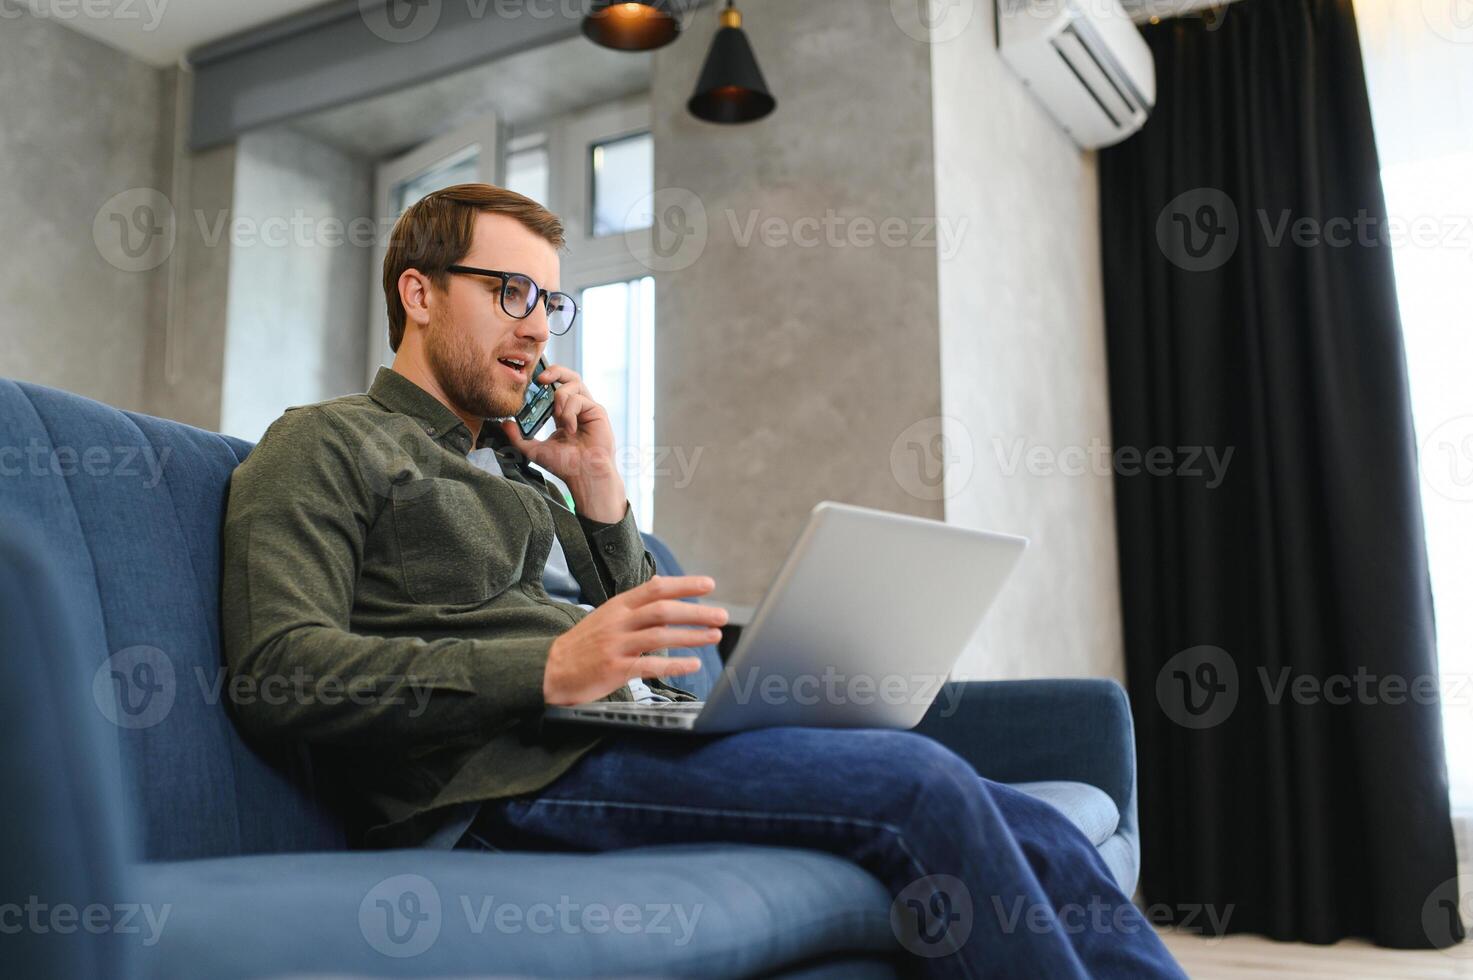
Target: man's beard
x=467, y=378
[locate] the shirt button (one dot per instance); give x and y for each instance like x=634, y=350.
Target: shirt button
x=610, y=548
x=429, y=430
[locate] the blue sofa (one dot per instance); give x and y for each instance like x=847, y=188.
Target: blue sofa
x=128, y=788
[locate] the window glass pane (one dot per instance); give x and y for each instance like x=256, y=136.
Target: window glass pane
x=462, y=168
x=1435, y=293
x=617, y=337
x=527, y=173
x=623, y=175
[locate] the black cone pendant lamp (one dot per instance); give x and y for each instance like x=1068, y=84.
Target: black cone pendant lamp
x=630, y=26
x=731, y=88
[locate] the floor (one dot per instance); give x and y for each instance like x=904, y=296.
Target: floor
x=1237, y=956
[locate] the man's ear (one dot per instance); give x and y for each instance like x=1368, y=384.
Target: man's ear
x=414, y=293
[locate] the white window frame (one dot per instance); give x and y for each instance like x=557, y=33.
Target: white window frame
x=588, y=261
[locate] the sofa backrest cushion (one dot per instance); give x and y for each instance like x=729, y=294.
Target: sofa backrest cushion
x=702, y=681
x=131, y=507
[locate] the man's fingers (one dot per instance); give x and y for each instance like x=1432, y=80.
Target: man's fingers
x=668, y=587
x=643, y=641
x=665, y=666
x=515, y=437
x=567, y=423
x=673, y=612
x=559, y=374
x=565, y=407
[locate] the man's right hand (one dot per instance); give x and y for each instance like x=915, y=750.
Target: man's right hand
x=604, y=651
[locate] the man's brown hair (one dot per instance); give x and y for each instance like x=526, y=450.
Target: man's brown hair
x=436, y=233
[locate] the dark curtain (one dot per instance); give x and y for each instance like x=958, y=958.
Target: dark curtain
x=1278, y=622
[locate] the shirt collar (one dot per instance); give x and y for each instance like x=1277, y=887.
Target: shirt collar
x=398, y=394
x=493, y=438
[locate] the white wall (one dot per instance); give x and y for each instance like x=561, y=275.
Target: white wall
x=298, y=296
x=1023, y=362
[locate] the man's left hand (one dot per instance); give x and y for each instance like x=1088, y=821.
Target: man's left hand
x=581, y=450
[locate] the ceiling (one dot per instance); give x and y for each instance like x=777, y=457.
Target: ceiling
x=514, y=87
x=161, y=31
x=1143, y=10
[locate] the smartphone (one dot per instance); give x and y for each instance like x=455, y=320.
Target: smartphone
x=538, y=405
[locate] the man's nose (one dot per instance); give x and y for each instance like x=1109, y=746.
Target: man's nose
x=533, y=326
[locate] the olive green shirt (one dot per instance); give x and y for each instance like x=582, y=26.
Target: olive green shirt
x=383, y=595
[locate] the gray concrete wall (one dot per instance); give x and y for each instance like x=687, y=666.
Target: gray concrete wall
x=1023, y=362
x=791, y=368
x=80, y=123
x=124, y=285
x=299, y=285
x=865, y=373
x=184, y=370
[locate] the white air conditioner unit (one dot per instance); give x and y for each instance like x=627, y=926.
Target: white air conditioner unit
x=1084, y=60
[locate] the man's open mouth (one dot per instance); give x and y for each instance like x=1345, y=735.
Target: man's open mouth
x=516, y=364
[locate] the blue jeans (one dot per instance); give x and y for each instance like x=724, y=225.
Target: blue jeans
x=901, y=805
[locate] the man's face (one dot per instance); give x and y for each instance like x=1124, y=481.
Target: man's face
x=470, y=339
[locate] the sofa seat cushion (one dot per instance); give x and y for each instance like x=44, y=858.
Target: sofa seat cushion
x=683, y=909
x=1088, y=807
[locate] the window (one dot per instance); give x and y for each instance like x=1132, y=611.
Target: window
x=623, y=179
x=527, y=168
x=1420, y=81
x=595, y=169
x=463, y=168
x=1435, y=291
x=618, y=355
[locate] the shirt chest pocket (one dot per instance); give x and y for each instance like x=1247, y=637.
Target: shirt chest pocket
x=453, y=547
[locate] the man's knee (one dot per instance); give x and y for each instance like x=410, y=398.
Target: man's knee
x=918, y=760
x=891, y=763
x=922, y=749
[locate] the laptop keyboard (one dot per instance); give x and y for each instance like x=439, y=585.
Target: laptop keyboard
x=670, y=707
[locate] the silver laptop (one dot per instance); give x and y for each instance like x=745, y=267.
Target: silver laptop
x=860, y=629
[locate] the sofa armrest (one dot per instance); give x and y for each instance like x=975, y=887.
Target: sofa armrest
x=1078, y=730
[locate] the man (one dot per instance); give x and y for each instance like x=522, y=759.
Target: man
x=376, y=556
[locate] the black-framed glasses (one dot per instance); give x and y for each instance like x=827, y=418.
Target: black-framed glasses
x=519, y=296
